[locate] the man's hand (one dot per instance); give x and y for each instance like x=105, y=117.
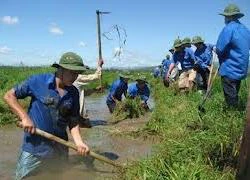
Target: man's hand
x=167, y=76
x=28, y=125
x=82, y=149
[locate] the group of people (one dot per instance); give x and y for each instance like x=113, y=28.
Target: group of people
x=232, y=49
x=55, y=101
x=120, y=87
x=187, y=62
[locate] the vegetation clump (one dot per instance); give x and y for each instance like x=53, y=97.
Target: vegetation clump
x=128, y=108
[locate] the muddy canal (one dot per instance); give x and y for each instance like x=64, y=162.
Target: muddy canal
x=103, y=138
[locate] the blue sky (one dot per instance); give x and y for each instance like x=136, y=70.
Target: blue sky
x=38, y=32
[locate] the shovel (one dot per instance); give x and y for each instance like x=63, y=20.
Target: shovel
x=71, y=145
x=201, y=105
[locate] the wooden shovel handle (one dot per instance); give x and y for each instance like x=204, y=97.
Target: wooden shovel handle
x=72, y=146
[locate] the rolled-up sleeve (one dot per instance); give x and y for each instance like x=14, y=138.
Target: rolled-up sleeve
x=89, y=77
x=23, y=90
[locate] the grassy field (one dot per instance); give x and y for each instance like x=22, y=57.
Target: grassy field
x=192, y=147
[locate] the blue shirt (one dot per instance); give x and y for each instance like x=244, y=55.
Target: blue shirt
x=49, y=112
x=185, y=57
x=204, y=55
x=166, y=63
x=157, y=72
x=118, y=88
x=232, y=48
x=134, y=91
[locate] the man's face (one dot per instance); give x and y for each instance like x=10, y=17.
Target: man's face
x=228, y=19
x=187, y=45
x=198, y=45
x=178, y=49
x=141, y=84
x=69, y=76
x=126, y=80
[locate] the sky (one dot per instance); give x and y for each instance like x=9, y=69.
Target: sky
x=38, y=32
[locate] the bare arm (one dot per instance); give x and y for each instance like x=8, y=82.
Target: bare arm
x=11, y=100
x=83, y=78
x=83, y=149
x=91, y=77
x=171, y=67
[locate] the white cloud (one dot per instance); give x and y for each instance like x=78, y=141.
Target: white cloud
x=55, y=29
x=82, y=44
x=10, y=20
x=5, y=50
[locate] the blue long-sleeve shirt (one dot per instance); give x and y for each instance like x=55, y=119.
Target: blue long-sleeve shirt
x=165, y=67
x=232, y=49
x=118, y=88
x=204, y=55
x=134, y=91
x=49, y=112
x=185, y=57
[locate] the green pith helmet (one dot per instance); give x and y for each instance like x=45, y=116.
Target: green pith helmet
x=197, y=39
x=232, y=10
x=177, y=43
x=168, y=56
x=70, y=61
x=186, y=41
x=141, y=78
x=125, y=75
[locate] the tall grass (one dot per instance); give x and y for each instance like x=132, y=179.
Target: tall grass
x=9, y=77
x=193, y=147
x=128, y=108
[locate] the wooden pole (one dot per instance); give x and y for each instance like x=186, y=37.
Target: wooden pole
x=211, y=71
x=71, y=145
x=99, y=43
x=243, y=165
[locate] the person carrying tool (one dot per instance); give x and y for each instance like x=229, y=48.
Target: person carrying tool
x=118, y=88
x=203, y=55
x=232, y=48
x=140, y=89
x=54, y=106
x=185, y=56
x=81, y=80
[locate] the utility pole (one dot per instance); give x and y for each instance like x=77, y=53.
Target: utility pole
x=99, y=43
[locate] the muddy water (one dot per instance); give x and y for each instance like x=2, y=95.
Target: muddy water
x=102, y=138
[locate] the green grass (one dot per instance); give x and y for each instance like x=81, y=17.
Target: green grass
x=128, y=108
x=192, y=147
